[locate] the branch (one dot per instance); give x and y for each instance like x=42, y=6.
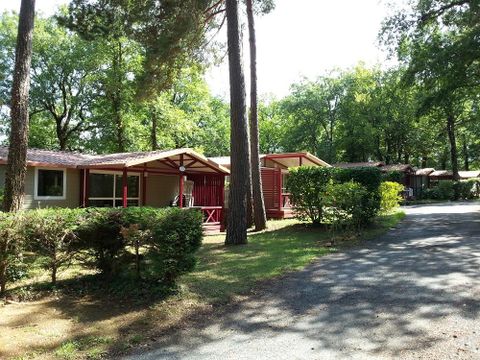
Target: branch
x=435, y=13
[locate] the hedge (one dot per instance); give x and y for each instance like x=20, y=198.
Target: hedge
x=308, y=187
x=161, y=242
x=453, y=190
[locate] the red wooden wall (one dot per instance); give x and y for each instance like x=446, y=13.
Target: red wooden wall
x=271, y=179
x=207, y=189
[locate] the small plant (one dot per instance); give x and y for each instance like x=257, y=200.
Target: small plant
x=100, y=237
x=390, y=196
x=136, y=238
x=50, y=233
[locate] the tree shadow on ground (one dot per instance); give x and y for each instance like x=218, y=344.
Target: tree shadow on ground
x=401, y=294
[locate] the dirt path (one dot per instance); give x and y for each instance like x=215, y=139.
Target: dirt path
x=413, y=293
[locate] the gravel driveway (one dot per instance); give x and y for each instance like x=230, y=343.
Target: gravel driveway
x=412, y=294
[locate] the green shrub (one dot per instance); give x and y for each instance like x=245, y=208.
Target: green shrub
x=11, y=244
x=442, y=191
x=370, y=178
x=100, y=237
x=166, y=238
x=109, y=239
x=308, y=186
x=176, y=236
x=390, y=196
x=393, y=176
x=50, y=233
x=463, y=190
x=342, y=203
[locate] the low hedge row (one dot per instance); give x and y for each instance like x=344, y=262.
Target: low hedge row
x=453, y=190
x=327, y=195
x=158, y=244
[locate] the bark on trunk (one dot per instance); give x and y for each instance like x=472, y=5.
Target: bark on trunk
x=237, y=222
x=117, y=98
x=260, y=218
x=153, y=134
x=17, y=154
x=466, y=161
x=453, y=145
x=54, y=275
x=3, y=277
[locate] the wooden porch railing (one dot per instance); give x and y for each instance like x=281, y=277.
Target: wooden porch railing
x=211, y=214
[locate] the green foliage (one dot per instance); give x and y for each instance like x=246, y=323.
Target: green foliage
x=441, y=191
x=176, y=237
x=100, y=236
x=309, y=190
x=11, y=246
x=390, y=196
x=112, y=240
x=393, y=176
x=453, y=190
x=464, y=190
x=307, y=186
x=50, y=233
x=343, y=204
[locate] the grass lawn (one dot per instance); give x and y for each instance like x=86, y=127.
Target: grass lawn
x=88, y=326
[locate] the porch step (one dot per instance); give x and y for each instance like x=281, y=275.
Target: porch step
x=212, y=228
x=285, y=213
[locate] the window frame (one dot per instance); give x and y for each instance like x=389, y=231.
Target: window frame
x=114, y=198
x=35, y=190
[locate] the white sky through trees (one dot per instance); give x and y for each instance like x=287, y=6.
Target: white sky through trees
x=299, y=38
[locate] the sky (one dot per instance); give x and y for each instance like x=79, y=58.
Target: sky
x=300, y=38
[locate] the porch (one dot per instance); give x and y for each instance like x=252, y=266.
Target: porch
x=181, y=178
x=276, y=196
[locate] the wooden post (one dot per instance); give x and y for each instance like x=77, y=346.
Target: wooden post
x=180, y=185
x=144, y=188
x=300, y=160
x=125, y=188
x=280, y=186
x=222, y=203
x=86, y=189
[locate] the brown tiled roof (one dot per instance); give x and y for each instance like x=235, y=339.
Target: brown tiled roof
x=397, y=167
x=360, y=164
x=37, y=157
x=461, y=174
x=424, y=172
x=49, y=157
x=441, y=173
x=469, y=174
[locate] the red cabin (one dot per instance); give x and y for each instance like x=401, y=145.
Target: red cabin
x=274, y=168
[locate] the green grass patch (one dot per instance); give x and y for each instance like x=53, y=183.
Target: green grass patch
x=291, y=245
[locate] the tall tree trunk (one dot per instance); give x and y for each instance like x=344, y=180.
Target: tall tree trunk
x=260, y=218
x=466, y=161
x=240, y=166
x=17, y=151
x=453, y=145
x=153, y=132
x=424, y=161
x=117, y=98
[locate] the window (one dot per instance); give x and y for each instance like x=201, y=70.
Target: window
x=106, y=190
x=50, y=184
